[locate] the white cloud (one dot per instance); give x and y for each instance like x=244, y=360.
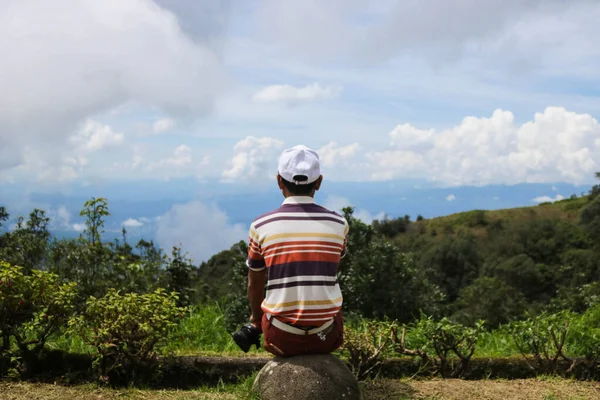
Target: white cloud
x=132, y=223
x=556, y=145
x=112, y=53
x=450, y=197
x=254, y=158
x=540, y=33
x=337, y=203
x=163, y=125
x=78, y=227
x=181, y=157
x=291, y=95
x=95, y=136
x=199, y=229
x=331, y=154
x=390, y=164
x=545, y=199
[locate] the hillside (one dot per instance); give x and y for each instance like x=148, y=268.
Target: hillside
x=567, y=210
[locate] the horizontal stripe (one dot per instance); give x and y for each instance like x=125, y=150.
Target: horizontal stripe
x=302, y=218
x=306, y=241
x=311, y=311
x=297, y=208
x=304, y=257
x=309, y=247
x=303, y=302
x=302, y=268
x=301, y=283
x=303, y=278
x=302, y=235
x=298, y=252
x=302, y=321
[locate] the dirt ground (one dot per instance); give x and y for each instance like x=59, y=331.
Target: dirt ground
x=450, y=389
x=455, y=389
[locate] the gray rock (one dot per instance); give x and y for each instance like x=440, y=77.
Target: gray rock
x=314, y=377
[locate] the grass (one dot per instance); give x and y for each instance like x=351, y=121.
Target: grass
x=448, y=389
x=203, y=332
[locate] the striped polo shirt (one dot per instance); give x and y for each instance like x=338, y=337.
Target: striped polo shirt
x=300, y=244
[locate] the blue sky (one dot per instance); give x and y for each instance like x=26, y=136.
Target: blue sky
x=190, y=103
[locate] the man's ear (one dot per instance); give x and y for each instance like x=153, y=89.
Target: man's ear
x=318, y=183
x=280, y=182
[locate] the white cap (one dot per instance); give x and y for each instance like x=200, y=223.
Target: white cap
x=299, y=165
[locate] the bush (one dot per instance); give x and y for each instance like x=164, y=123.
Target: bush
x=126, y=328
x=473, y=218
x=584, y=336
x=444, y=338
x=541, y=339
x=32, y=308
x=364, y=346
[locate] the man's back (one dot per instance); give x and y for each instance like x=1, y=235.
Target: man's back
x=296, y=249
x=300, y=244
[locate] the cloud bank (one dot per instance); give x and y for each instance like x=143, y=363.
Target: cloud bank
x=557, y=145
x=201, y=230
x=69, y=61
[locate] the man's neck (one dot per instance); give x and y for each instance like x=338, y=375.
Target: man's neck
x=294, y=199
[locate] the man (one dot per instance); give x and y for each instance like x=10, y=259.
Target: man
x=297, y=249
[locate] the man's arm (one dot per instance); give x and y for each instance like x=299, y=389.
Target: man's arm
x=256, y=277
x=256, y=294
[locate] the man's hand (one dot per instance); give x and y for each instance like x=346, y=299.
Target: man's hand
x=256, y=322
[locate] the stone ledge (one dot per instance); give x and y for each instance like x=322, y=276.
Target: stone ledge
x=192, y=371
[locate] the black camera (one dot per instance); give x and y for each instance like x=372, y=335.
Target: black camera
x=247, y=336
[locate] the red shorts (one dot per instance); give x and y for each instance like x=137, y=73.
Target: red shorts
x=286, y=344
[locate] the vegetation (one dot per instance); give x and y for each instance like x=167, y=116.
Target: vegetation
x=443, y=292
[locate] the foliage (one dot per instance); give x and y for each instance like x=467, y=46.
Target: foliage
x=366, y=272
x=26, y=244
x=126, y=328
x=364, y=345
x=443, y=338
x=95, y=210
x=489, y=299
x=179, y=277
x=453, y=263
x=32, y=308
x=237, y=308
x=541, y=339
x=584, y=336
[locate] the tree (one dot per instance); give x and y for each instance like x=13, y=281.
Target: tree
x=532, y=279
x=489, y=299
x=3, y=216
x=95, y=210
x=27, y=245
x=454, y=263
x=180, y=271
x=378, y=280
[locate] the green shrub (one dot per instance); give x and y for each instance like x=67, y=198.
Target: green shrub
x=584, y=336
x=126, y=328
x=364, y=345
x=32, y=308
x=443, y=339
x=472, y=218
x=541, y=339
